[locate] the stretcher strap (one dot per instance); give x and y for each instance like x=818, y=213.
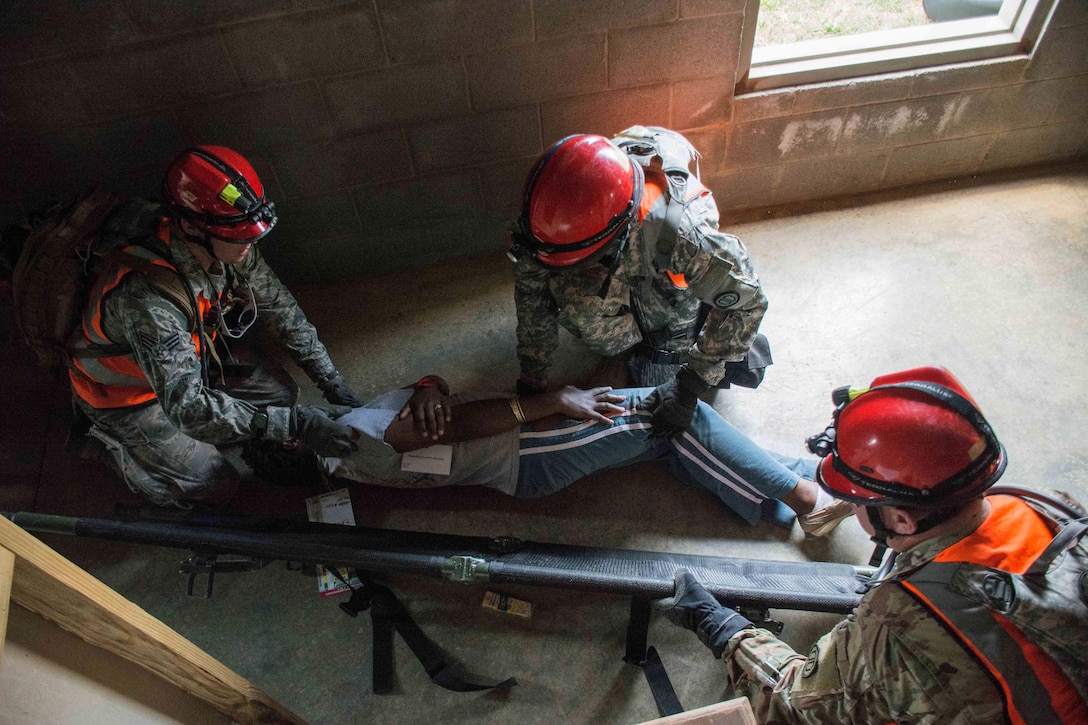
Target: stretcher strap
x=647, y=658
x=389, y=616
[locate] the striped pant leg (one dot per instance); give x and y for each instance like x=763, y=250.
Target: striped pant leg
x=551, y=460
x=716, y=456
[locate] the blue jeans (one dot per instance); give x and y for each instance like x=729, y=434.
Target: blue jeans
x=711, y=454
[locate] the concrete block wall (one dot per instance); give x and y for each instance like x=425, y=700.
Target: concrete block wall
x=396, y=133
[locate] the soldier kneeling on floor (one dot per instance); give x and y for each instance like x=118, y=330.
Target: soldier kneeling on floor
x=981, y=615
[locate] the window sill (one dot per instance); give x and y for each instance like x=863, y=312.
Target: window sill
x=886, y=51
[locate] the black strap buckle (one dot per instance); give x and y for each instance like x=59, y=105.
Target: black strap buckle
x=660, y=357
x=999, y=590
x=209, y=565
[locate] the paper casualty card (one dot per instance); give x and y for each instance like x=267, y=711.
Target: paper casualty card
x=435, y=460
x=332, y=508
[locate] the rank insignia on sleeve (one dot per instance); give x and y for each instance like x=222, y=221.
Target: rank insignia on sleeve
x=812, y=662
x=147, y=341
x=160, y=348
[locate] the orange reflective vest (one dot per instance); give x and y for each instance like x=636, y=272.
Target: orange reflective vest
x=116, y=381
x=1035, y=689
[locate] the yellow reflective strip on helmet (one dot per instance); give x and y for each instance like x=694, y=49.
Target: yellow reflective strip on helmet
x=230, y=194
x=855, y=392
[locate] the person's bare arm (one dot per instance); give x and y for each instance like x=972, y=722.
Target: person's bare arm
x=483, y=418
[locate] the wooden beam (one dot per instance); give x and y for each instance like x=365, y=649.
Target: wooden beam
x=48, y=584
x=731, y=712
x=7, y=570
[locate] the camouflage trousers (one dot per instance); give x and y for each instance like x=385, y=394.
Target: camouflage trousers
x=166, y=466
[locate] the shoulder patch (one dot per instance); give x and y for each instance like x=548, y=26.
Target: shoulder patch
x=726, y=300
x=812, y=662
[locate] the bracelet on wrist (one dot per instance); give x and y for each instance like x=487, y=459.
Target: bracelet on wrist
x=515, y=406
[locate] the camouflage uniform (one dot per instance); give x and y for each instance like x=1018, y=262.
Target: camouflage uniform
x=889, y=661
x=715, y=266
x=167, y=449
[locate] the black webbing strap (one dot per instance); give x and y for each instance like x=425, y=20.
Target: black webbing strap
x=647, y=658
x=879, y=549
x=1066, y=538
x=389, y=616
x=638, y=625
x=664, y=694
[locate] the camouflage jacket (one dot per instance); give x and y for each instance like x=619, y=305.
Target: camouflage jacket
x=889, y=661
x=137, y=313
x=717, y=270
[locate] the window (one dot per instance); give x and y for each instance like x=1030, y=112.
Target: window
x=1012, y=30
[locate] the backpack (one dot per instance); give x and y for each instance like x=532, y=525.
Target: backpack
x=647, y=145
x=51, y=279
x=674, y=153
x=1049, y=602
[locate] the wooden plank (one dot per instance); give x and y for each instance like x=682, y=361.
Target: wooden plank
x=731, y=712
x=48, y=584
x=7, y=570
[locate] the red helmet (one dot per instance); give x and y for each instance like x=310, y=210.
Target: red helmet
x=218, y=191
x=914, y=438
x=582, y=193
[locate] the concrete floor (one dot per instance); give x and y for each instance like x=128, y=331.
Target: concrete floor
x=988, y=277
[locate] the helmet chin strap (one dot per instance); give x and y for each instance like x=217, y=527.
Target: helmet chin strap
x=614, y=260
x=204, y=241
x=880, y=531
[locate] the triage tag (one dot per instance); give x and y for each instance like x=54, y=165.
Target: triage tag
x=435, y=460
x=333, y=508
